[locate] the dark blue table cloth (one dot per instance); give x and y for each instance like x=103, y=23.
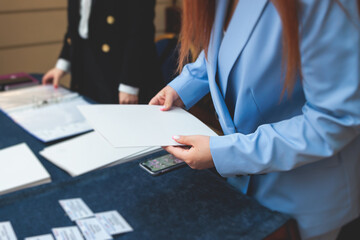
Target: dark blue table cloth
x=182, y=204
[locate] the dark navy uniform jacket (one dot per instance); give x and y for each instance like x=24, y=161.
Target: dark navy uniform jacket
x=121, y=41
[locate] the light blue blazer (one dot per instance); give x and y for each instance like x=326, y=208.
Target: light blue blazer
x=300, y=152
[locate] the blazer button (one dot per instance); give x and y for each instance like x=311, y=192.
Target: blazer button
x=68, y=41
x=110, y=19
x=105, y=48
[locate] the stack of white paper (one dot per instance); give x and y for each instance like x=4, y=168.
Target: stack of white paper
x=142, y=125
x=47, y=113
x=19, y=168
x=89, y=152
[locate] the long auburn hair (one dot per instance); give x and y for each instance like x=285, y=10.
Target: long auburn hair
x=197, y=24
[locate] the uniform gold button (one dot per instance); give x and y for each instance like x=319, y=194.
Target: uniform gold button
x=68, y=41
x=105, y=48
x=110, y=19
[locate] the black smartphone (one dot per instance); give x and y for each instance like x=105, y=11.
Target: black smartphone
x=162, y=164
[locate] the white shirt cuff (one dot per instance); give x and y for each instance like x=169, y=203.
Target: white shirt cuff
x=63, y=64
x=128, y=89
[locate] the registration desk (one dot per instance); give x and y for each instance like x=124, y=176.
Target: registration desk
x=182, y=204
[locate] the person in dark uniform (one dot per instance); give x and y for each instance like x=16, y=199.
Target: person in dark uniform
x=110, y=51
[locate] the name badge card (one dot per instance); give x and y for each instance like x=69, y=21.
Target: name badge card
x=113, y=222
x=41, y=237
x=67, y=233
x=76, y=208
x=92, y=229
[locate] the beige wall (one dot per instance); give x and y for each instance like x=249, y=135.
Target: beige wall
x=32, y=32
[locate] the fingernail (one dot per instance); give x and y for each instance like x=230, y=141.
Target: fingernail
x=176, y=137
x=162, y=108
x=56, y=86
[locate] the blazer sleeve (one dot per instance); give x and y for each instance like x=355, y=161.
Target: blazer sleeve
x=139, y=50
x=330, y=119
x=192, y=84
x=65, y=51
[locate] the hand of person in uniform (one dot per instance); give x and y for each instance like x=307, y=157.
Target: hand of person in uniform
x=53, y=76
x=196, y=153
x=167, y=97
x=126, y=98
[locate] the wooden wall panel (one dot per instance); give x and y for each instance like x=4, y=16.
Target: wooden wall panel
x=35, y=59
x=24, y=28
x=26, y=5
x=159, y=20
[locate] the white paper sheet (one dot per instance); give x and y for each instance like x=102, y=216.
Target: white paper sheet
x=76, y=208
x=6, y=231
x=92, y=229
x=113, y=222
x=142, y=125
x=19, y=168
x=67, y=233
x=147, y=151
x=86, y=153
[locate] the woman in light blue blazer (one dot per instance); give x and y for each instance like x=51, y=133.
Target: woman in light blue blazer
x=293, y=147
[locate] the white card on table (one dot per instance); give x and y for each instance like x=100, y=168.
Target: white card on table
x=76, y=208
x=20, y=168
x=41, y=237
x=92, y=229
x=142, y=125
x=67, y=233
x=6, y=231
x=113, y=222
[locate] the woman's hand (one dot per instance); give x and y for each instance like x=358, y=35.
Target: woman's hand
x=196, y=153
x=167, y=97
x=53, y=75
x=126, y=98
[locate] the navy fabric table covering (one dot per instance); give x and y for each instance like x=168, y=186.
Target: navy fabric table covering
x=182, y=204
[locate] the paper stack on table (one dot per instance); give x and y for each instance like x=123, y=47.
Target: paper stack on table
x=48, y=114
x=19, y=168
x=89, y=152
x=142, y=125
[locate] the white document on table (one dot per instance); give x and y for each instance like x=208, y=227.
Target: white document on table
x=67, y=233
x=76, y=208
x=6, y=231
x=113, y=222
x=41, y=237
x=88, y=152
x=48, y=114
x=19, y=168
x=92, y=229
x=142, y=125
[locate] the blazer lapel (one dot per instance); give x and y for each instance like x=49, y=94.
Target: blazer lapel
x=215, y=41
x=241, y=26
x=217, y=34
